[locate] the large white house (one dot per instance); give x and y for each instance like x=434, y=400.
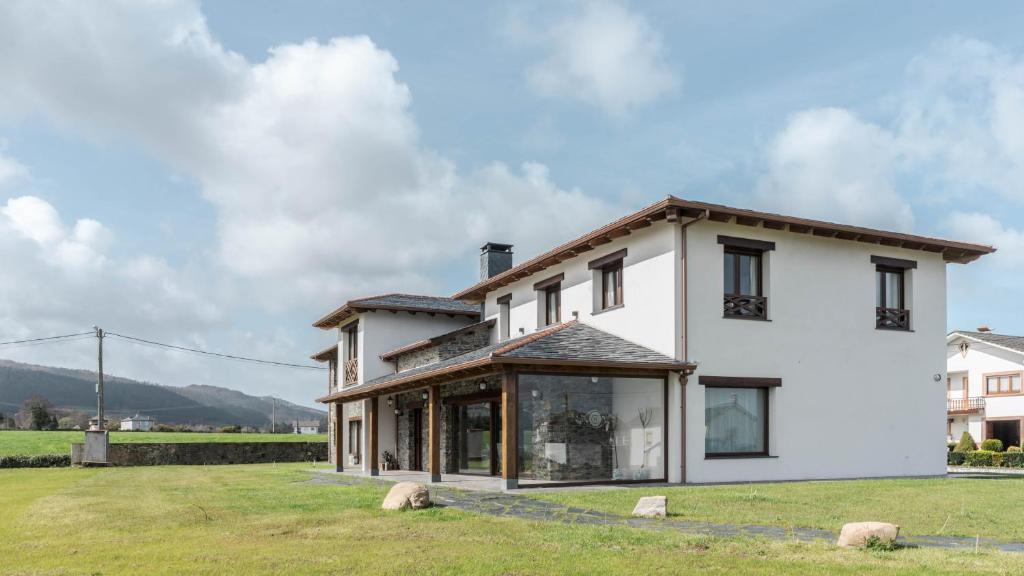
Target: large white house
x=138, y=423
x=983, y=386
x=686, y=342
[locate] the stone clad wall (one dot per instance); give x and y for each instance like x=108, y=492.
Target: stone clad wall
x=455, y=345
x=203, y=453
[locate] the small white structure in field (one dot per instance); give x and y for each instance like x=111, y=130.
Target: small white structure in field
x=138, y=423
x=306, y=427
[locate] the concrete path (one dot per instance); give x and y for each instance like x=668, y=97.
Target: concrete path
x=517, y=506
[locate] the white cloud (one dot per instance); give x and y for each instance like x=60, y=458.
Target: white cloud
x=602, y=54
x=828, y=164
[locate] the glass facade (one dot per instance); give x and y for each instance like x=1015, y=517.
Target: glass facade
x=591, y=428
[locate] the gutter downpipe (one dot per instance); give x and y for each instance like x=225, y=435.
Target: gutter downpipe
x=686, y=355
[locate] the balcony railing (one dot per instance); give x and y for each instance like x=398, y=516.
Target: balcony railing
x=965, y=405
x=743, y=306
x=351, y=371
x=892, y=318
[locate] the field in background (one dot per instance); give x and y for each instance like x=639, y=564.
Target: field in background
x=29, y=443
x=268, y=519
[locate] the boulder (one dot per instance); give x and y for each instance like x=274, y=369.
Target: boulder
x=407, y=495
x=856, y=534
x=651, y=507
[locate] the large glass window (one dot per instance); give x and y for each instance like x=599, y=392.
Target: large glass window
x=735, y=421
x=591, y=428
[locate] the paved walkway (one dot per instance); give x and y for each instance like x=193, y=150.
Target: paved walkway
x=516, y=506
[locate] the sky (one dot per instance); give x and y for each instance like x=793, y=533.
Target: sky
x=220, y=175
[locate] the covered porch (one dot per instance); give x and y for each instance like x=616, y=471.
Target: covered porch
x=567, y=405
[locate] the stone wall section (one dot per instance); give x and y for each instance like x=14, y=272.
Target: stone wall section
x=204, y=453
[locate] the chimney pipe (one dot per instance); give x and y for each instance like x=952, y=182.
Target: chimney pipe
x=984, y=328
x=495, y=258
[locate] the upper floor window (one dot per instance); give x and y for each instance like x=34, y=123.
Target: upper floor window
x=743, y=274
x=608, y=280
x=352, y=342
x=1002, y=383
x=549, y=300
x=891, y=310
x=505, y=316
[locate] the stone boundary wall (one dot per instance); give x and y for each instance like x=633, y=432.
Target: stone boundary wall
x=203, y=453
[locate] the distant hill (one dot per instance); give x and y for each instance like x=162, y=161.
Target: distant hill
x=195, y=404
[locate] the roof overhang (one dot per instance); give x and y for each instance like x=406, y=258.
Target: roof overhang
x=329, y=353
x=354, y=307
x=673, y=209
x=954, y=335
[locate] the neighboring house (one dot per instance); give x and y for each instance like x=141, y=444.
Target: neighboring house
x=686, y=342
x=983, y=386
x=306, y=427
x=138, y=423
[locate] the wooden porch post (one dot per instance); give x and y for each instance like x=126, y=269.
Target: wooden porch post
x=372, y=421
x=339, y=450
x=509, y=431
x=434, y=432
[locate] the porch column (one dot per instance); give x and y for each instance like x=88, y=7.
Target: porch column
x=434, y=432
x=372, y=420
x=339, y=443
x=509, y=431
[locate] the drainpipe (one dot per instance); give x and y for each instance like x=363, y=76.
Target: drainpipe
x=686, y=356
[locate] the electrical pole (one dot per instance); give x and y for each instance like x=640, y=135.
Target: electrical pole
x=99, y=379
x=273, y=415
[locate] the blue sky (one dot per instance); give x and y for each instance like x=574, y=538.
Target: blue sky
x=221, y=174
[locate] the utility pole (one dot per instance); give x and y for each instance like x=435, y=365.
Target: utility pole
x=273, y=415
x=99, y=378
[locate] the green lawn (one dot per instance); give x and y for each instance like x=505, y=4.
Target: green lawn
x=940, y=506
x=266, y=519
x=24, y=442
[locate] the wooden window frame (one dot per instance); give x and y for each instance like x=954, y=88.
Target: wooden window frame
x=616, y=268
x=505, y=317
x=744, y=382
x=734, y=301
x=880, y=274
x=352, y=341
x=355, y=444
x=554, y=290
x=1020, y=381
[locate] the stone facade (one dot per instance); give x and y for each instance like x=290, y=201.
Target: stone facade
x=203, y=453
x=454, y=345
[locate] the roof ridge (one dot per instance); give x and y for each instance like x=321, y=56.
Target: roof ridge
x=520, y=342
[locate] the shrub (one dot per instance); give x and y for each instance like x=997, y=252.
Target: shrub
x=1013, y=449
x=1013, y=459
x=956, y=458
x=40, y=461
x=992, y=444
x=997, y=458
x=966, y=443
x=979, y=458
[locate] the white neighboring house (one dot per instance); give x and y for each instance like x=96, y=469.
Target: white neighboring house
x=984, y=393
x=686, y=342
x=306, y=427
x=138, y=423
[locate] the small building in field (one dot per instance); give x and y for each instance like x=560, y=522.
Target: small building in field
x=306, y=427
x=138, y=423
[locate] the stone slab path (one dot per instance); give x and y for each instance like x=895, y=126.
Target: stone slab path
x=516, y=506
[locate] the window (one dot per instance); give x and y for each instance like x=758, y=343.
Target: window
x=743, y=278
x=891, y=310
x=736, y=416
x=505, y=316
x=352, y=344
x=611, y=285
x=1002, y=384
x=553, y=304
x=355, y=432
x=582, y=427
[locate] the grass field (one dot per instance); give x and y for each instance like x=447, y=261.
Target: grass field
x=940, y=506
x=267, y=519
x=25, y=442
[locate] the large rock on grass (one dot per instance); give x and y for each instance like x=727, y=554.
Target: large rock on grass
x=407, y=495
x=651, y=507
x=857, y=534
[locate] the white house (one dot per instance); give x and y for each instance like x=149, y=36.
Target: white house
x=983, y=386
x=138, y=423
x=306, y=427
x=686, y=342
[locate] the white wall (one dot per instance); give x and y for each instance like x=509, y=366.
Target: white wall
x=847, y=388
x=983, y=358
x=382, y=331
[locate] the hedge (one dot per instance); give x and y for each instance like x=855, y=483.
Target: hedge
x=40, y=461
x=986, y=458
x=992, y=445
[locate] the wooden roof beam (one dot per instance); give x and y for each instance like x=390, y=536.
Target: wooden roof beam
x=773, y=225
x=719, y=216
x=748, y=220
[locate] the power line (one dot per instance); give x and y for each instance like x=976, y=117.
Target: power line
x=216, y=354
x=47, y=338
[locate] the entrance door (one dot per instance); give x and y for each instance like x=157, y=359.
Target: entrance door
x=479, y=432
x=1006, y=430
x=416, y=458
